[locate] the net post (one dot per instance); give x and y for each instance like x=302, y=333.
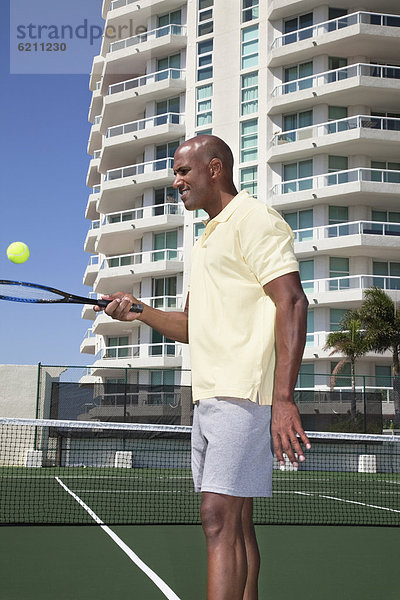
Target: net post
x=365, y=404
x=125, y=392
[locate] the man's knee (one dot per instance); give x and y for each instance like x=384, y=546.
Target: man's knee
x=219, y=513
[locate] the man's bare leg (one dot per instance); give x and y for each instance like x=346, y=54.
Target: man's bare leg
x=221, y=517
x=252, y=552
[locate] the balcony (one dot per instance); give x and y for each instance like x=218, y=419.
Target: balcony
x=361, y=134
x=95, y=136
x=364, y=185
x=91, y=207
x=131, y=55
x=373, y=83
x=382, y=239
x=104, y=325
x=123, y=185
x=119, y=230
x=96, y=104
x=278, y=9
x=120, y=9
x=128, y=99
x=141, y=355
x=354, y=34
x=88, y=345
x=87, y=310
x=119, y=272
x=91, y=271
x=93, y=177
x=91, y=237
x=131, y=138
x=347, y=291
x=315, y=348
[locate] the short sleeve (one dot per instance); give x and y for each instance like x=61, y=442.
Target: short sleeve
x=266, y=242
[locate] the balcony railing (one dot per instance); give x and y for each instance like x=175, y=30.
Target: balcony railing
x=327, y=128
x=141, y=350
x=118, y=3
x=148, y=36
x=157, y=120
x=350, y=228
x=337, y=178
x=138, y=258
x=381, y=20
x=156, y=210
x=140, y=169
x=97, y=120
x=95, y=224
x=351, y=282
x=96, y=189
x=335, y=75
x=165, y=302
x=131, y=84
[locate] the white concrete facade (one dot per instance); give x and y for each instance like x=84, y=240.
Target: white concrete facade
x=307, y=94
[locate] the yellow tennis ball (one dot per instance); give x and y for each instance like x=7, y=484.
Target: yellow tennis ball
x=18, y=252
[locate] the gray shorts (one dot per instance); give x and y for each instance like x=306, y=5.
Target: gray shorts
x=231, y=447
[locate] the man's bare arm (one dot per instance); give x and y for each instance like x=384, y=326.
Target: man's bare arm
x=173, y=325
x=290, y=334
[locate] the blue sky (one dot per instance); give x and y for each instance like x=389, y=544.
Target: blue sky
x=43, y=195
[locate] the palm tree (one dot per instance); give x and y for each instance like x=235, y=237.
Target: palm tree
x=382, y=322
x=350, y=341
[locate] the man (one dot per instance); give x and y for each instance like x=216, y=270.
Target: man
x=246, y=327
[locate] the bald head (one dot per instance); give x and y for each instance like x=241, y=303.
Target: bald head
x=207, y=147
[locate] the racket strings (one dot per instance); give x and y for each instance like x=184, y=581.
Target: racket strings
x=27, y=293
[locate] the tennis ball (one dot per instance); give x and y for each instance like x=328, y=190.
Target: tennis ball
x=18, y=252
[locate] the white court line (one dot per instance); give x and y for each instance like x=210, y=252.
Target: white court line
x=133, y=491
x=166, y=590
x=361, y=504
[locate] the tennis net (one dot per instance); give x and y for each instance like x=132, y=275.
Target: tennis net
x=71, y=472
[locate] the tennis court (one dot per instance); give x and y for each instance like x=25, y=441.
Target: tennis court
x=133, y=483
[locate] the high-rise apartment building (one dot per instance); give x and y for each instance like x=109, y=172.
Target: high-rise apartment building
x=307, y=94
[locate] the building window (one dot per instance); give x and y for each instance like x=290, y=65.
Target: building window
x=297, y=176
x=249, y=102
x=383, y=376
x=248, y=180
x=339, y=267
x=249, y=140
x=386, y=269
x=336, y=164
x=163, y=196
x=297, y=120
x=298, y=220
x=335, y=318
x=204, y=105
x=161, y=344
x=205, y=59
x=205, y=16
x=310, y=338
x=381, y=166
x=306, y=376
x=167, y=106
x=167, y=243
x=338, y=214
x=385, y=216
x=294, y=25
x=198, y=230
x=164, y=288
x=250, y=47
x=173, y=18
x=166, y=151
x=168, y=67
x=344, y=379
x=292, y=74
x=250, y=10
x=306, y=271
x=117, y=347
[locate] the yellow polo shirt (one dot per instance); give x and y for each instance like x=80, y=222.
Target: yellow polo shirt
x=231, y=319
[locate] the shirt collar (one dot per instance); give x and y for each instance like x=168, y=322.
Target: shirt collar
x=229, y=209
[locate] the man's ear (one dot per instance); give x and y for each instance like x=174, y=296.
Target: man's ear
x=215, y=167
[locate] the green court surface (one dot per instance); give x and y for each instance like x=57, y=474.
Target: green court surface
x=306, y=563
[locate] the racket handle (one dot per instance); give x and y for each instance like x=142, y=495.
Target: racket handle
x=137, y=308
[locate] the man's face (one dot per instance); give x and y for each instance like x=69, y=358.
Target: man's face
x=192, y=178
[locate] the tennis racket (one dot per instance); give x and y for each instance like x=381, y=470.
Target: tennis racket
x=21, y=291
